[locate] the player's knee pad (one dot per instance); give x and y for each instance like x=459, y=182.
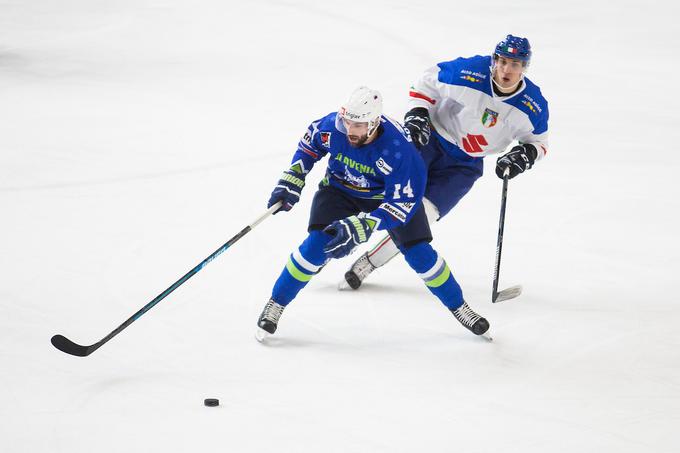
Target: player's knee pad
x=311, y=249
x=421, y=257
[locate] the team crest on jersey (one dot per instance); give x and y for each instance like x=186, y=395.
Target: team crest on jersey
x=356, y=181
x=326, y=139
x=489, y=118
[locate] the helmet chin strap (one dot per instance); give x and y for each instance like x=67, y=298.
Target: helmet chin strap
x=507, y=89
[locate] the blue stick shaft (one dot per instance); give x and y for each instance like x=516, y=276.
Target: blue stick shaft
x=69, y=347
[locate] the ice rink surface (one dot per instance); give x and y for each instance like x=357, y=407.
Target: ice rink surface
x=138, y=136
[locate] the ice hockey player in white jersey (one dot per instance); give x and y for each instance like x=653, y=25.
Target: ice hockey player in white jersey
x=460, y=112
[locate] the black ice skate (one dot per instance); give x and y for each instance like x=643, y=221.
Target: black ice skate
x=358, y=272
x=269, y=320
x=471, y=320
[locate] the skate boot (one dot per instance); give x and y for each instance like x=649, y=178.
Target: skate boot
x=269, y=320
x=471, y=320
x=358, y=272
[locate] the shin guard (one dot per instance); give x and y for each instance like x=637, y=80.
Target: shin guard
x=435, y=273
x=303, y=263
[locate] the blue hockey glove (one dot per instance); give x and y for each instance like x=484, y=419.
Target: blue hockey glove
x=287, y=190
x=519, y=159
x=347, y=234
x=417, y=121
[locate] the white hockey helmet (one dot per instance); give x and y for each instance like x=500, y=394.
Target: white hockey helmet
x=363, y=106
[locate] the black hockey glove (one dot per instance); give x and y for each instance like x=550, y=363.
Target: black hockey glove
x=287, y=190
x=347, y=234
x=519, y=159
x=417, y=121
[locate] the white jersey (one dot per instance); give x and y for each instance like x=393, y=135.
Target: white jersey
x=465, y=111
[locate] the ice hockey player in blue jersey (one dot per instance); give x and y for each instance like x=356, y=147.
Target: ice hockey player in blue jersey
x=461, y=111
x=375, y=180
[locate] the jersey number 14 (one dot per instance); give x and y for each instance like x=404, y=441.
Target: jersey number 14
x=407, y=190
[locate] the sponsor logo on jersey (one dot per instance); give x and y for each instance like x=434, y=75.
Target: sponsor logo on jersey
x=394, y=212
x=407, y=134
x=531, y=107
x=489, y=118
x=470, y=78
x=307, y=138
x=326, y=139
x=531, y=104
x=383, y=167
x=406, y=206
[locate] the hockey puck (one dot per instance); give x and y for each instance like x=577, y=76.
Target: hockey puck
x=211, y=402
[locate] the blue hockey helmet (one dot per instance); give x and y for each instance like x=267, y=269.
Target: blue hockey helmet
x=514, y=47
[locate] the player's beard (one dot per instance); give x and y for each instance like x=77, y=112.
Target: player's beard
x=356, y=141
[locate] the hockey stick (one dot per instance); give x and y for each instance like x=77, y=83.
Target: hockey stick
x=64, y=344
x=513, y=291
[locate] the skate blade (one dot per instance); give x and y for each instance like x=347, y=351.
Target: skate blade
x=509, y=293
x=261, y=335
x=343, y=285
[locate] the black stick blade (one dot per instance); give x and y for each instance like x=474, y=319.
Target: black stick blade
x=65, y=345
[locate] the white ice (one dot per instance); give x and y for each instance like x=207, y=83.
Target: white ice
x=136, y=137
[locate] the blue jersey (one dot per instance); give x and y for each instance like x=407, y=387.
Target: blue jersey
x=389, y=168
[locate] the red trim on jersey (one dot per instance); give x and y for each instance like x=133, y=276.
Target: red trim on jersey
x=384, y=242
x=545, y=151
x=415, y=94
x=309, y=152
